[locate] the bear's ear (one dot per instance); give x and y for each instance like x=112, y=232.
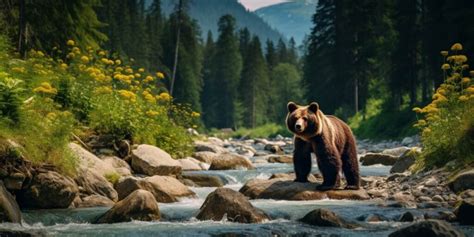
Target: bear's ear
x=313, y=107
x=291, y=107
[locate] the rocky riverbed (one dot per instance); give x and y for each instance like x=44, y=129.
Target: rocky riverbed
x=229, y=187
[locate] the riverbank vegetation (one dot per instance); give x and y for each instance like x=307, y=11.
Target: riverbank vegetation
x=114, y=68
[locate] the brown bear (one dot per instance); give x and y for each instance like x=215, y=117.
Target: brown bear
x=330, y=139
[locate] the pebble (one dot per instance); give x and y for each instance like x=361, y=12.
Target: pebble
x=438, y=198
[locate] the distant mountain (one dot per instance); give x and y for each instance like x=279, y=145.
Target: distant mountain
x=292, y=19
x=208, y=12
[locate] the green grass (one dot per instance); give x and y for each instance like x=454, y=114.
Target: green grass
x=385, y=125
x=265, y=131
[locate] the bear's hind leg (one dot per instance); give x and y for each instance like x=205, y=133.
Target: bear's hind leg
x=350, y=167
x=302, y=160
x=330, y=168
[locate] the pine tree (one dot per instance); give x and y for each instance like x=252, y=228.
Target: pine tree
x=281, y=51
x=154, y=28
x=254, y=79
x=271, y=56
x=188, y=81
x=286, y=86
x=404, y=62
x=49, y=23
x=210, y=87
x=320, y=73
x=228, y=65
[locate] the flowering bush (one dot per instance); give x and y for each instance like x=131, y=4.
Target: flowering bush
x=447, y=123
x=44, y=99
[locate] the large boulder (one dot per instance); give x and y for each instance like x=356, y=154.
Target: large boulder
x=397, y=151
x=89, y=161
x=283, y=189
x=48, y=190
x=230, y=161
x=205, y=156
x=280, y=159
x=465, y=212
x=462, y=181
x=432, y=228
x=121, y=167
x=164, y=188
x=15, y=170
x=378, y=158
x=95, y=201
x=405, y=161
x=93, y=183
x=208, y=146
x=9, y=210
x=139, y=205
x=325, y=217
x=224, y=202
x=203, y=180
x=191, y=164
x=151, y=160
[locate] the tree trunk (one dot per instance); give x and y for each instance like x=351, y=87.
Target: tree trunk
x=22, y=29
x=176, y=52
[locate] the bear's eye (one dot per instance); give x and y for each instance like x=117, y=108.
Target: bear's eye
x=305, y=118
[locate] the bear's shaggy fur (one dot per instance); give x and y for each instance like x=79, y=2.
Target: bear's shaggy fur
x=330, y=139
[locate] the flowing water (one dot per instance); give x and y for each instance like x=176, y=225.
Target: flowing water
x=178, y=218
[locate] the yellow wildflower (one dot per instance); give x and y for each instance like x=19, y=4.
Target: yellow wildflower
x=45, y=88
x=103, y=90
x=141, y=70
x=40, y=54
x=63, y=65
x=444, y=53
x=160, y=75
x=456, y=47
x=128, y=95
x=118, y=62
x=470, y=90
x=445, y=66
x=85, y=59
x=421, y=122
x=195, y=114
x=148, y=79
x=70, y=55
x=118, y=69
x=129, y=70
x=164, y=97
x=102, y=53
x=152, y=113
x=71, y=42
x=466, y=81
x=417, y=110
x=465, y=66
x=463, y=98
x=104, y=60
x=137, y=75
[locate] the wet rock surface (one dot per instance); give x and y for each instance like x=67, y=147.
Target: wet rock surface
x=9, y=209
x=48, y=190
x=432, y=228
x=151, y=160
x=284, y=189
x=139, y=205
x=325, y=217
x=232, y=205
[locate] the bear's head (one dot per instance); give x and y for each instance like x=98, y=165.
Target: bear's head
x=303, y=120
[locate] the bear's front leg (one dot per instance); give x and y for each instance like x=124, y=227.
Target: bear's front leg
x=302, y=159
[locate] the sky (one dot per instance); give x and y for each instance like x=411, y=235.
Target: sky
x=255, y=4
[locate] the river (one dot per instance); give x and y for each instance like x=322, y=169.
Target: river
x=178, y=218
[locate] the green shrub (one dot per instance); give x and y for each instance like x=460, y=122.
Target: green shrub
x=265, y=131
x=112, y=177
x=447, y=123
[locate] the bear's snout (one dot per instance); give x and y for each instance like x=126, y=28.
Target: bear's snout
x=300, y=125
